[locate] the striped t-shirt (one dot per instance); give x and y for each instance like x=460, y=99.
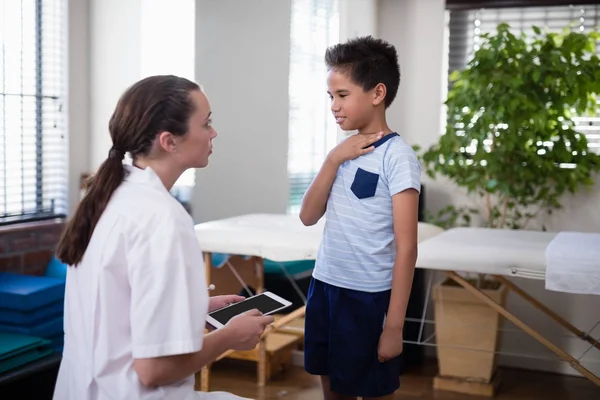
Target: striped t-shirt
x=358, y=249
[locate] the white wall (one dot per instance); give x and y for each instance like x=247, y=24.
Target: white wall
x=132, y=39
x=167, y=34
x=416, y=27
x=357, y=18
x=114, y=65
x=243, y=62
x=78, y=105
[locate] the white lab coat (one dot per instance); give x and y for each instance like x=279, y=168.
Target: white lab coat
x=140, y=291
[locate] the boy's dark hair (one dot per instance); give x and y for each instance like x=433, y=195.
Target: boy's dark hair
x=369, y=61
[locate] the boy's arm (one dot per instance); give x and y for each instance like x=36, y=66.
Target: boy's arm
x=405, y=207
x=314, y=202
x=405, y=213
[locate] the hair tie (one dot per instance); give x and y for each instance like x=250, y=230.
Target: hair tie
x=116, y=153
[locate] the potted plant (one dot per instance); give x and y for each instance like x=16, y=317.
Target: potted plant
x=511, y=144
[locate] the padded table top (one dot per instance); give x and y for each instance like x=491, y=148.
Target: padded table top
x=506, y=252
x=278, y=237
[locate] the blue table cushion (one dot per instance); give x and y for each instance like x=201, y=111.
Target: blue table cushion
x=270, y=266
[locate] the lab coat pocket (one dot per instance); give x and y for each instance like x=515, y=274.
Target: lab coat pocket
x=364, y=184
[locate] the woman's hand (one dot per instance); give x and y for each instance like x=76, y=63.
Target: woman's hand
x=245, y=330
x=216, y=302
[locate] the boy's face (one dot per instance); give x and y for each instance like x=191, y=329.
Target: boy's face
x=352, y=107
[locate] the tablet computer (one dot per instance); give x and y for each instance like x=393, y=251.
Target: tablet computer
x=266, y=302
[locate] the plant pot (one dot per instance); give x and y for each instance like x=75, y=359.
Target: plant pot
x=467, y=330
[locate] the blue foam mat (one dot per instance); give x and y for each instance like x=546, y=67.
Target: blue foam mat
x=28, y=292
x=46, y=329
x=33, y=317
x=57, y=342
x=17, y=350
x=56, y=269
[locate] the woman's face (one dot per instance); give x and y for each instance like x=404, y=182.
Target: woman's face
x=195, y=147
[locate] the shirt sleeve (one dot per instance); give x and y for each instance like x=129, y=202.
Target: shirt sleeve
x=402, y=169
x=169, y=298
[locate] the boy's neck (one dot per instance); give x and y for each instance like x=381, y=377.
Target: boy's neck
x=375, y=126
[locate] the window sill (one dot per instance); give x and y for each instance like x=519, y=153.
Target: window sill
x=55, y=223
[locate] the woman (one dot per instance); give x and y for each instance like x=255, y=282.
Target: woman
x=136, y=294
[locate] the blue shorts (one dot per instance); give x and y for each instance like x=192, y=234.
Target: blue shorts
x=341, y=337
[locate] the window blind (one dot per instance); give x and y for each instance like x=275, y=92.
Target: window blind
x=33, y=151
x=312, y=130
x=467, y=25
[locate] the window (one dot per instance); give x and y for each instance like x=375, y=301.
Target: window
x=312, y=130
x=33, y=133
x=466, y=26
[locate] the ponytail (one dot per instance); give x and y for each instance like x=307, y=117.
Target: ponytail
x=100, y=187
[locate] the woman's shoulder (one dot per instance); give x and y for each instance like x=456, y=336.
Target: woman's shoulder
x=149, y=212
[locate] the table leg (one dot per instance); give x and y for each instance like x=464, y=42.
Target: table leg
x=526, y=328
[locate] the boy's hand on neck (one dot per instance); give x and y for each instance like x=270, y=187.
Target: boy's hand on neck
x=353, y=147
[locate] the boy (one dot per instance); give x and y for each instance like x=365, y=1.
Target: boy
x=368, y=188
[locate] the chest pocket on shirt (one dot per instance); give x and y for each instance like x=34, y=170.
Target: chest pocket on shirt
x=364, y=184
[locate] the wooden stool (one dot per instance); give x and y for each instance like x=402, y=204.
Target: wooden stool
x=295, y=327
x=279, y=354
x=273, y=353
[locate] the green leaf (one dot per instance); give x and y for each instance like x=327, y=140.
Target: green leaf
x=454, y=76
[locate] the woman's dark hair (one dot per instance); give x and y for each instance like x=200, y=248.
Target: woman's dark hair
x=149, y=107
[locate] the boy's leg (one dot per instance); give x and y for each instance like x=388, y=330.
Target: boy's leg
x=316, y=335
x=357, y=320
x=329, y=395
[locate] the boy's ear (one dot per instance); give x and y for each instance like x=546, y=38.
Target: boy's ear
x=379, y=92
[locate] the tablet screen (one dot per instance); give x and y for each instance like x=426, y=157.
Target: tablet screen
x=262, y=303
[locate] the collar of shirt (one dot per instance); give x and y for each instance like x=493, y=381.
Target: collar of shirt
x=145, y=176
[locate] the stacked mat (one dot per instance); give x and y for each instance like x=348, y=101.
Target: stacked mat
x=31, y=317
x=17, y=350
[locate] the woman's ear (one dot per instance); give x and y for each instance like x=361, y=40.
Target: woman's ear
x=379, y=93
x=167, y=142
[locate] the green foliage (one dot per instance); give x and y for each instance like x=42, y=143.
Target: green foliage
x=510, y=139
x=451, y=216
